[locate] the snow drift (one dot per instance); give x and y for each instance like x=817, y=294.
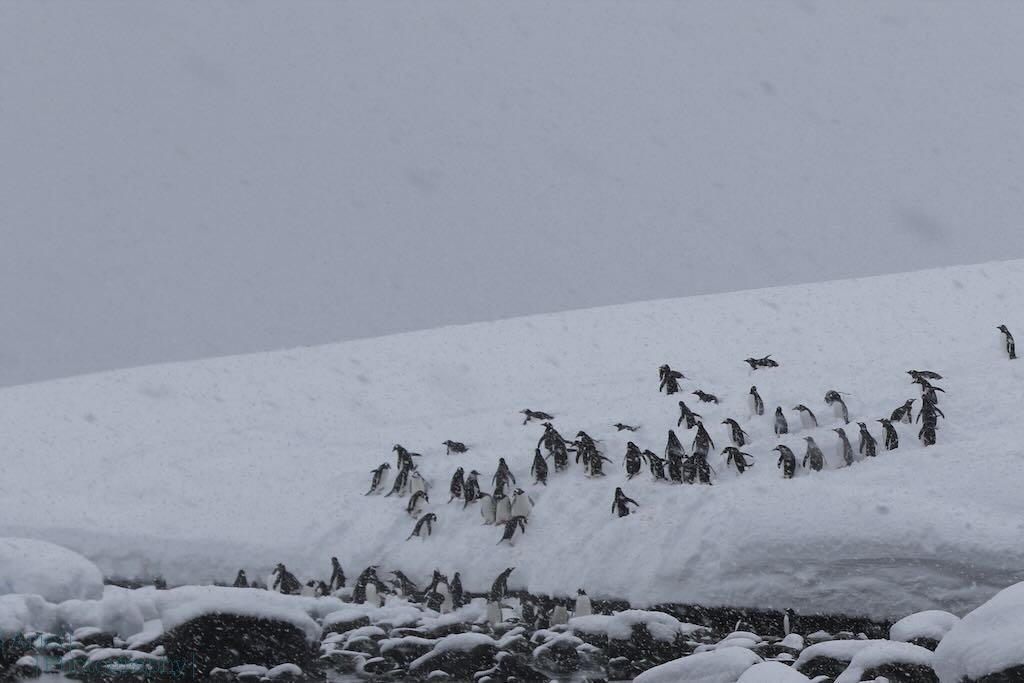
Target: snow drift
x=193, y=470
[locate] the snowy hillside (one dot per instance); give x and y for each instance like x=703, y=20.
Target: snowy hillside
x=194, y=470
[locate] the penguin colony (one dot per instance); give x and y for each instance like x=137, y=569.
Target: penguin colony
x=510, y=507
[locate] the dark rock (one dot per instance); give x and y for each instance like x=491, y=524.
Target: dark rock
x=26, y=667
x=1011, y=675
x=928, y=643
x=557, y=658
x=87, y=637
x=823, y=666
x=346, y=625
x=226, y=640
x=901, y=672
x=407, y=650
x=12, y=649
x=461, y=664
x=621, y=668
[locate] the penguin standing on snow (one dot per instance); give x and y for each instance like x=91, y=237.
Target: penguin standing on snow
x=868, y=445
x=621, y=503
x=904, y=413
x=583, y=608
x=455, y=487
x=632, y=460
x=787, y=461
x=814, y=456
x=426, y=522
x=807, y=419
x=417, y=484
x=892, y=439
x=702, y=443
x=781, y=426
x=403, y=584
x=337, y=579
x=704, y=397
x=501, y=477
x=454, y=447
x=739, y=437
x=1011, y=349
x=703, y=467
x=597, y=464
x=788, y=622
x=368, y=577
x=284, y=581
x=686, y=414
x=735, y=456
x=833, y=399
x=404, y=456
x=928, y=390
x=470, y=488
x=539, y=468
x=456, y=588
x=845, y=449
x=669, y=379
x=756, y=404
x=556, y=446
x=401, y=481
x=499, y=589
x=675, y=455
x=379, y=480
x=416, y=502
x=514, y=528
x=240, y=580
x=656, y=464
x=487, y=508
x=502, y=508
x=585, y=449
x=522, y=504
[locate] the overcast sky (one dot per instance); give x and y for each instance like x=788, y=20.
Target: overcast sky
x=181, y=180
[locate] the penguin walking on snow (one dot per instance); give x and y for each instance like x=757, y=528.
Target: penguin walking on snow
x=456, y=588
x=669, y=379
x=675, y=456
x=583, y=608
x=502, y=476
x=417, y=484
x=807, y=419
x=337, y=579
x=739, y=437
x=240, y=580
x=502, y=508
x=735, y=456
x=632, y=460
x=656, y=464
x=756, y=404
x=814, y=456
x=424, y=524
x=904, y=413
x=1011, y=349
x=621, y=503
x=845, y=449
x=416, y=502
x=686, y=414
x=781, y=426
x=284, y=581
x=868, y=445
x=499, y=589
x=470, y=488
x=928, y=390
x=892, y=439
x=487, y=508
x=401, y=484
x=539, y=468
x=833, y=399
x=522, y=504
x=379, y=480
x=514, y=528
x=702, y=443
x=787, y=461
x=455, y=487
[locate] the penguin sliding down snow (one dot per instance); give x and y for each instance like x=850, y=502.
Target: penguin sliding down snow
x=904, y=413
x=621, y=502
x=814, y=456
x=539, y=468
x=833, y=399
x=1011, y=348
x=845, y=449
x=927, y=374
x=669, y=379
x=739, y=437
x=787, y=461
x=535, y=415
x=868, y=445
x=522, y=504
x=735, y=456
x=705, y=398
x=416, y=502
x=756, y=404
x=379, y=480
x=454, y=447
x=624, y=427
x=807, y=419
x=686, y=414
x=456, y=485
x=781, y=426
x=765, y=362
x=632, y=460
x=425, y=522
x=514, y=528
x=892, y=439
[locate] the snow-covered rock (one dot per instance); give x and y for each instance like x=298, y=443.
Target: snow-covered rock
x=923, y=628
x=718, y=666
x=830, y=658
x=892, y=660
x=41, y=568
x=619, y=626
x=989, y=640
x=772, y=672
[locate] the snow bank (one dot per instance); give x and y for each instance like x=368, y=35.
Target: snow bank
x=20, y=613
x=885, y=652
x=293, y=436
x=720, y=666
x=50, y=571
x=842, y=650
x=988, y=640
x=619, y=626
x=249, y=602
x=933, y=624
x=772, y=672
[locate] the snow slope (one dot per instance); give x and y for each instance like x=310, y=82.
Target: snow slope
x=196, y=469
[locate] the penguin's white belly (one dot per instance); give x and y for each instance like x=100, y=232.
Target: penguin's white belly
x=502, y=511
x=805, y=421
x=487, y=510
x=522, y=506
x=752, y=404
x=837, y=410
x=493, y=613
x=416, y=484
x=372, y=598
x=583, y=607
x=559, y=615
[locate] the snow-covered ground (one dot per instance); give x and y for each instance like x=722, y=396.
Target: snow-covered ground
x=194, y=470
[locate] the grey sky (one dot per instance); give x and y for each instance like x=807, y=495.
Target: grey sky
x=180, y=180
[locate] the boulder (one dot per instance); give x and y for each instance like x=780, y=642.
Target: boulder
x=227, y=640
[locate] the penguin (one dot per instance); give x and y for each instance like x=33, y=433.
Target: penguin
x=321, y=590
x=686, y=414
x=502, y=509
x=807, y=419
x=447, y=601
x=596, y=465
x=892, y=439
x=365, y=579
x=456, y=589
x=493, y=613
x=583, y=608
x=499, y=588
x=585, y=449
x=675, y=455
x=702, y=443
x=704, y=397
x=404, y=456
x=522, y=504
x=417, y=484
x=470, y=489
x=436, y=579
x=337, y=579
x=669, y=379
x=455, y=487
x=555, y=444
x=373, y=598
x=928, y=389
x=845, y=449
x=379, y=480
x=502, y=476
x=904, y=413
x=432, y=600
x=868, y=445
x=625, y=428
x=657, y=466
x=788, y=621
x=535, y=415
x=487, y=508
x=738, y=458
x=929, y=413
x=787, y=461
x=416, y=502
x=814, y=456
x=401, y=484
x=527, y=611
x=632, y=460
x=756, y=404
x=1011, y=349
x=781, y=426
x=559, y=616
x=454, y=447
x=765, y=362
x=403, y=584
x=927, y=374
x=739, y=437
x=539, y=468
x=621, y=503
x=424, y=522
x=240, y=580
x=703, y=467
x=284, y=581
x=514, y=527
x=833, y=399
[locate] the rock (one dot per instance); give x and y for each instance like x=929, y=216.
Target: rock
x=621, y=668
x=460, y=655
x=558, y=657
x=285, y=672
x=403, y=651
x=985, y=646
x=725, y=665
x=830, y=658
x=228, y=640
x=344, y=621
x=26, y=667
x=50, y=571
x=897, y=662
x=925, y=629
x=90, y=635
